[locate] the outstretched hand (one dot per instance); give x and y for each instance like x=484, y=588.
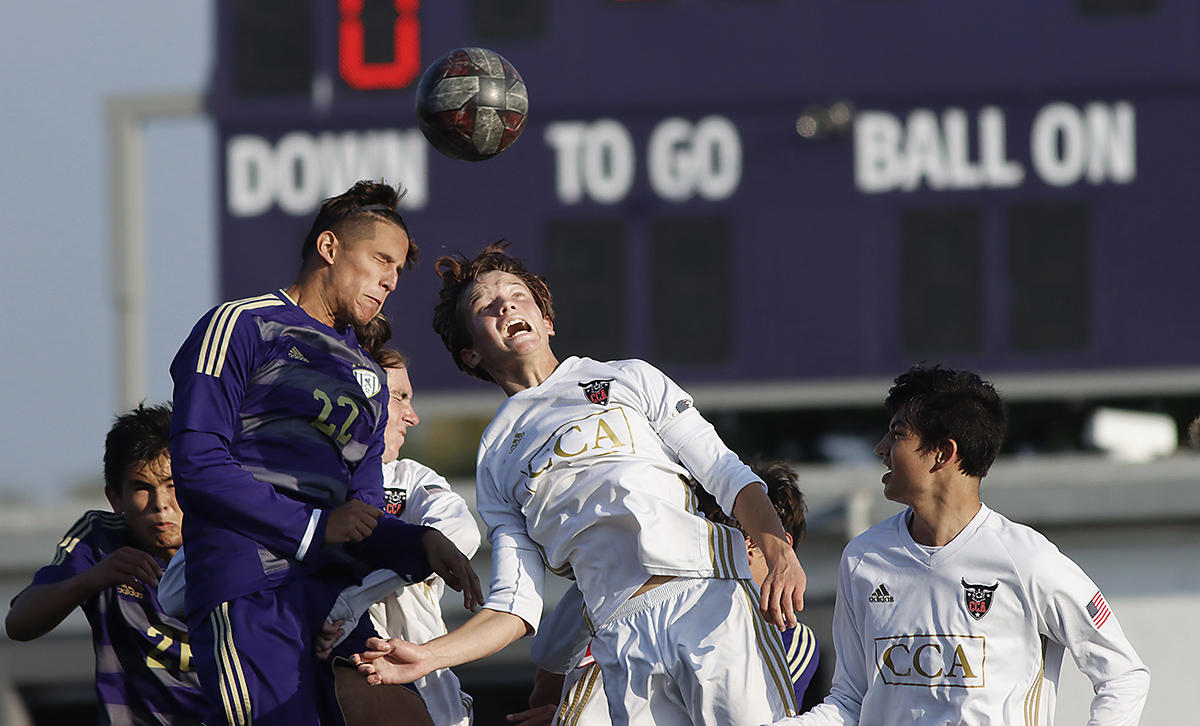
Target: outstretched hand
x=453, y=567
x=392, y=661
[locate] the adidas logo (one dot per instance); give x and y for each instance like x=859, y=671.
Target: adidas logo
x=881, y=594
x=295, y=354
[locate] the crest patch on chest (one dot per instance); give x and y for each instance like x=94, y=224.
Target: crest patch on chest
x=978, y=598
x=394, y=499
x=368, y=380
x=597, y=391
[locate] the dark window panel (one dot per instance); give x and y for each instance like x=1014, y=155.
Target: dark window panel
x=584, y=264
x=272, y=47
x=509, y=19
x=692, y=298
x=1049, y=276
x=942, y=281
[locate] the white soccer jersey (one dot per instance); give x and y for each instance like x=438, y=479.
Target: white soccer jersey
x=418, y=495
x=586, y=473
x=970, y=633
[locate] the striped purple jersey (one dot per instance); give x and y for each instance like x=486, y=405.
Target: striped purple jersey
x=278, y=419
x=803, y=654
x=143, y=671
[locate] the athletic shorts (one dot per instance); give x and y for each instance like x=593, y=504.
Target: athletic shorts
x=256, y=658
x=694, y=651
x=583, y=701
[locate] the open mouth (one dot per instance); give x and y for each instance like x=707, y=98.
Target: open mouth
x=517, y=326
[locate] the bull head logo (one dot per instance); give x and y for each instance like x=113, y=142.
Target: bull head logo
x=978, y=598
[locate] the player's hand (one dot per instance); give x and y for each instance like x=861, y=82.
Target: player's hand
x=391, y=661
x=330, y=632
x=351, y=522
x=126, y=566
x=783, y=588
x=453, y=567
x=537, y=716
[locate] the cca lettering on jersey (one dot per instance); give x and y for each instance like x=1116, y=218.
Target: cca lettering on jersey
x=931, y=660
x=597, y=434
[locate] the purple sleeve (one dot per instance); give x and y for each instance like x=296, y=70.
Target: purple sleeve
x=803, y=654
x=80, y=548
x=396, y=546
x=209, y=480
x=75, y=553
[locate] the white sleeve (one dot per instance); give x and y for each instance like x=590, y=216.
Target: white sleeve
x=1072, y=611
x=431, y=502
x=518, y=574
x=843, y=705
x=562, y=640
x=172, y=587
x=693, y=439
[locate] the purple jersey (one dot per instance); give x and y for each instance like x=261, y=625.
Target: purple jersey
x=143, y=660
x=803, y=654
x=278, y=419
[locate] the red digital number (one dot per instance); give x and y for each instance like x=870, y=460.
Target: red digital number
x=406, y=45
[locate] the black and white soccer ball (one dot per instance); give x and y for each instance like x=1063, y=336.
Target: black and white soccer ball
x=471, y=104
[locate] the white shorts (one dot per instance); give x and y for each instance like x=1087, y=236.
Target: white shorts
x=583, y=701
x=694, y=651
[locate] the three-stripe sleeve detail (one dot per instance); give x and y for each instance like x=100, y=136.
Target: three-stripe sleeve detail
x=215, y=344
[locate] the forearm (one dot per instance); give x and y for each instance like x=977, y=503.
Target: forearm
x=487, y=632
x=1120, y=701
x=754, y=512
x=394, y=545
x=40, y=608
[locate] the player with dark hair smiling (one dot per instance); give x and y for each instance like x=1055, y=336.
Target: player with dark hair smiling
x=583, y=471
x=950, y=613
x=108, y=564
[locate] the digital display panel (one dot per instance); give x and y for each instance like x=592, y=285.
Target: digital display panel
x=754, y=191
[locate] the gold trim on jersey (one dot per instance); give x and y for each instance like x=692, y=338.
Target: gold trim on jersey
x=235, y=696
x=721, y=550
x=771, y=649
x=578, y=697
x=215, y=344
x=564, y=571
x=1034, y=697
x=82, y=529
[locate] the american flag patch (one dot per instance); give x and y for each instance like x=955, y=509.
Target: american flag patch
x=1098, y=609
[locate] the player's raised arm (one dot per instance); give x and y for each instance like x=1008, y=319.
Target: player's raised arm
x=40, y=608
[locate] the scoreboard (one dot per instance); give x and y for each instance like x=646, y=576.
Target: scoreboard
x=740, y=191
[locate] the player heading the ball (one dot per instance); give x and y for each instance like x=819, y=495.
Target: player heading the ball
x=586, y=470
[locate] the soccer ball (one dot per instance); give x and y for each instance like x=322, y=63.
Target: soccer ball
x=471, y=104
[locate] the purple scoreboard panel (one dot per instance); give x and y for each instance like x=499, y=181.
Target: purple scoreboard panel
x=756, y=189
